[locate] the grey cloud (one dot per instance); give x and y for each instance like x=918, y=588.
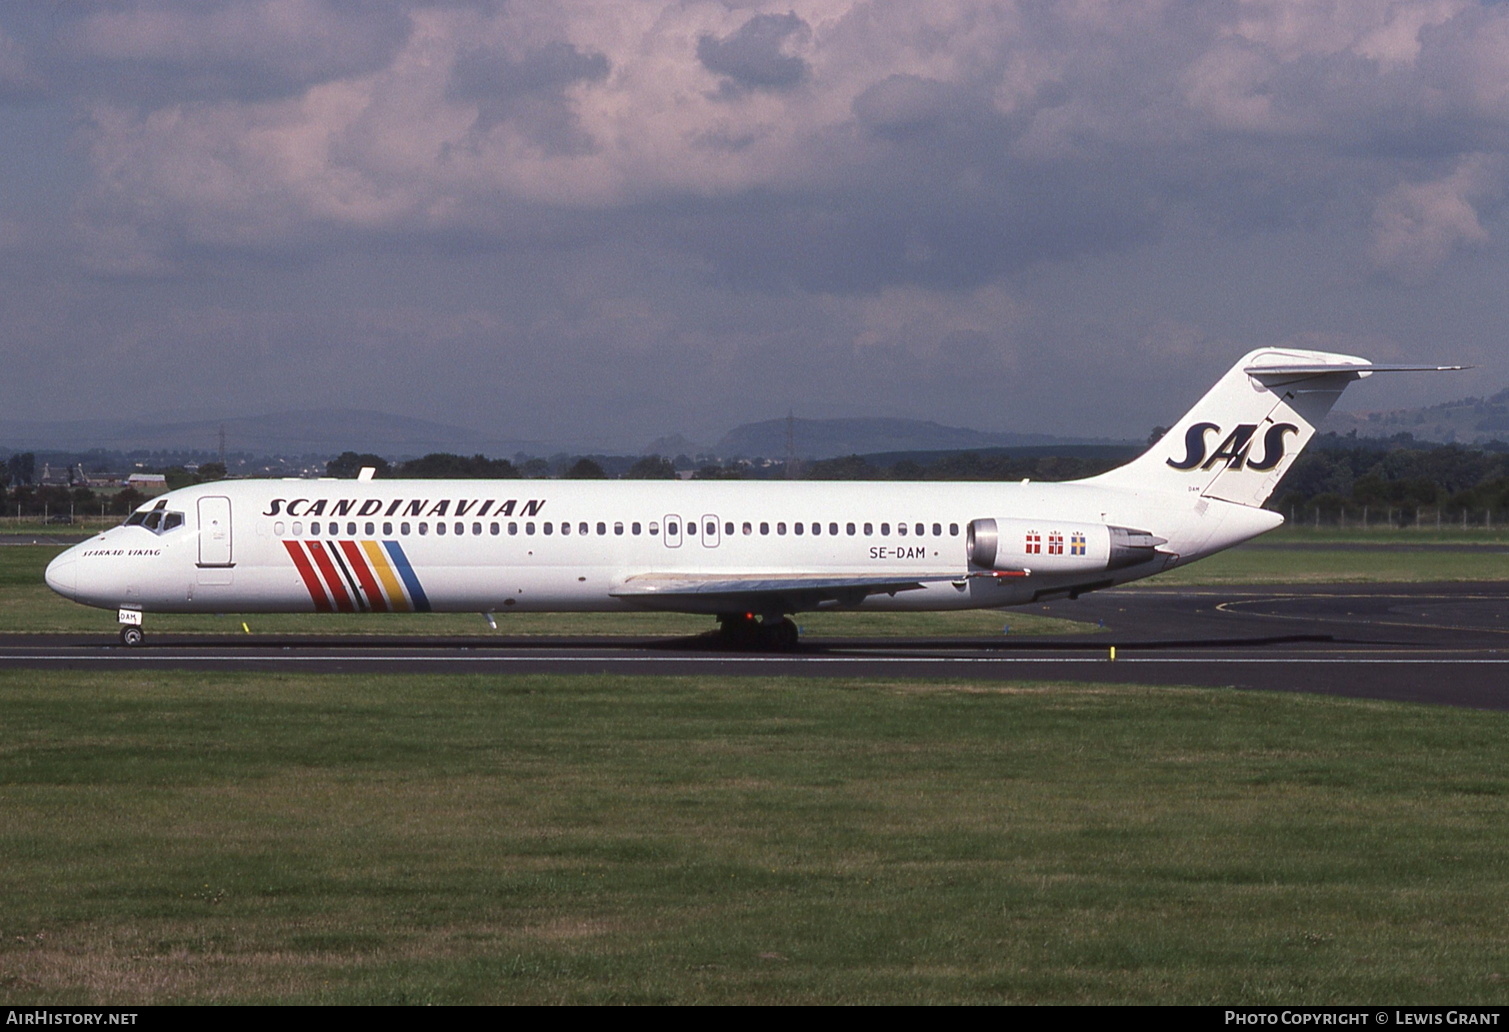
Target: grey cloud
x=751, y=57
x=900, y=105
x=486, y=74
x=527, y=91
x=19, y=81
x=170, y=51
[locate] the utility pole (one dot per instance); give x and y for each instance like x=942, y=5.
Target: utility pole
x=791, y=469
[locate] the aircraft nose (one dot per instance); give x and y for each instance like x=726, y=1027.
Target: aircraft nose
x=62, y=574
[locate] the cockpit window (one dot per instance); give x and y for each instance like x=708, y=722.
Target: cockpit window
x=158, y=519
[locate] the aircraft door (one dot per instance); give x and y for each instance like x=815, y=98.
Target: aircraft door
x=710, y=531
x=215, y=531
x=673, y=532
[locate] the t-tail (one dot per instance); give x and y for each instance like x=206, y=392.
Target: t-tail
x=1239, y=440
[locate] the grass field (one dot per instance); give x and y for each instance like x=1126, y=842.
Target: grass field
x=642, y=840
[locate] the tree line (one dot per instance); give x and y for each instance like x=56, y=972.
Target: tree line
x=1337, y=477
x=1399, y=480
x=22, y=495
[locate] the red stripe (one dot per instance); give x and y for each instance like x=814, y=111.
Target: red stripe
x=332, y=578
x=364, y=574
x=311, y=579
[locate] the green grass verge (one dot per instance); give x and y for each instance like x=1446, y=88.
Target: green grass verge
x=1447, y=535
x=643, y=840
x=1400, y=565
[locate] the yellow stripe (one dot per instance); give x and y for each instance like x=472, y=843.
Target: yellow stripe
x=390, y=585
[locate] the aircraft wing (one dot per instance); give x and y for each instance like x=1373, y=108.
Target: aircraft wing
x=763, y=592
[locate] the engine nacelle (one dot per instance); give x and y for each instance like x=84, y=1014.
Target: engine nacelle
x=1057, y=546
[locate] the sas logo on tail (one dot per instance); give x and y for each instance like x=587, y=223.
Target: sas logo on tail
x=1235, y=448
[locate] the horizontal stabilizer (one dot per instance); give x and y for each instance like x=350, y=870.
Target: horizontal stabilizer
x=1360, y=370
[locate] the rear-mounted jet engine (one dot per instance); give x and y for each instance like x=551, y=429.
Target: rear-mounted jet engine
x=1054, y=546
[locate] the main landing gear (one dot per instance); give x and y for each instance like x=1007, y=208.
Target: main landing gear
x=743, y=632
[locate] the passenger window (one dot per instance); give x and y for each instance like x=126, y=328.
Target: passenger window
x=833, y=529
x=529, y=527
x=492, y=528
x=728, y=529
x=673, y=529
x=764, y=528
x=654, y=529
x=424, y=528
x=634, y=529
x=581, y=528
x=921, y=530
x=477, y=528
x=387, y=530
x=937, y=530
x=796, y=527
x=314, y=529
x=549, y=527
x=298, y=530
x=460, y=527
x=780, y=528
x=513, y=528
x=900, y=529
x=953, y=530
x=602, y=529
x=371, y=529
x=849, y=529
x=748, y=529
x=885, y=530
x=618, y=529
x=403, y=528
x=439, y=528
x=351, y=529
x=565, y=528
x=869, y=529
x=277, y=528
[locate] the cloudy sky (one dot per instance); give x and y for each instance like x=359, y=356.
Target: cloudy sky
x=606, y=220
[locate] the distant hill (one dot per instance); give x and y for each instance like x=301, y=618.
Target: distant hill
x=830, y=438
x=313, y=432
x=1468, y=421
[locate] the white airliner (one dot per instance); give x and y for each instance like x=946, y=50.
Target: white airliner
x=748, y=552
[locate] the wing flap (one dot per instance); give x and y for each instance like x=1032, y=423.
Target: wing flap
x=766, y=592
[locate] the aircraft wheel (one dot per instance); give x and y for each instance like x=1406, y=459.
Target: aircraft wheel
x=739, y=631
x=783, y=635
x=132, y=636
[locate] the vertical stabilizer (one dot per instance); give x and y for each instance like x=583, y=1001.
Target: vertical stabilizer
x=1241, y=438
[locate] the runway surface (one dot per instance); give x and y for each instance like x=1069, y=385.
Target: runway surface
x=1436, y=643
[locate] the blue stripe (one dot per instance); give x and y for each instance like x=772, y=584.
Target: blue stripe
x=401, y=561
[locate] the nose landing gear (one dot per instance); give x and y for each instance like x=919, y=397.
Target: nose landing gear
x=131, y=633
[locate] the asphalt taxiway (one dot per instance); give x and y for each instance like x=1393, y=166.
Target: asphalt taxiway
x=1437, y=643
